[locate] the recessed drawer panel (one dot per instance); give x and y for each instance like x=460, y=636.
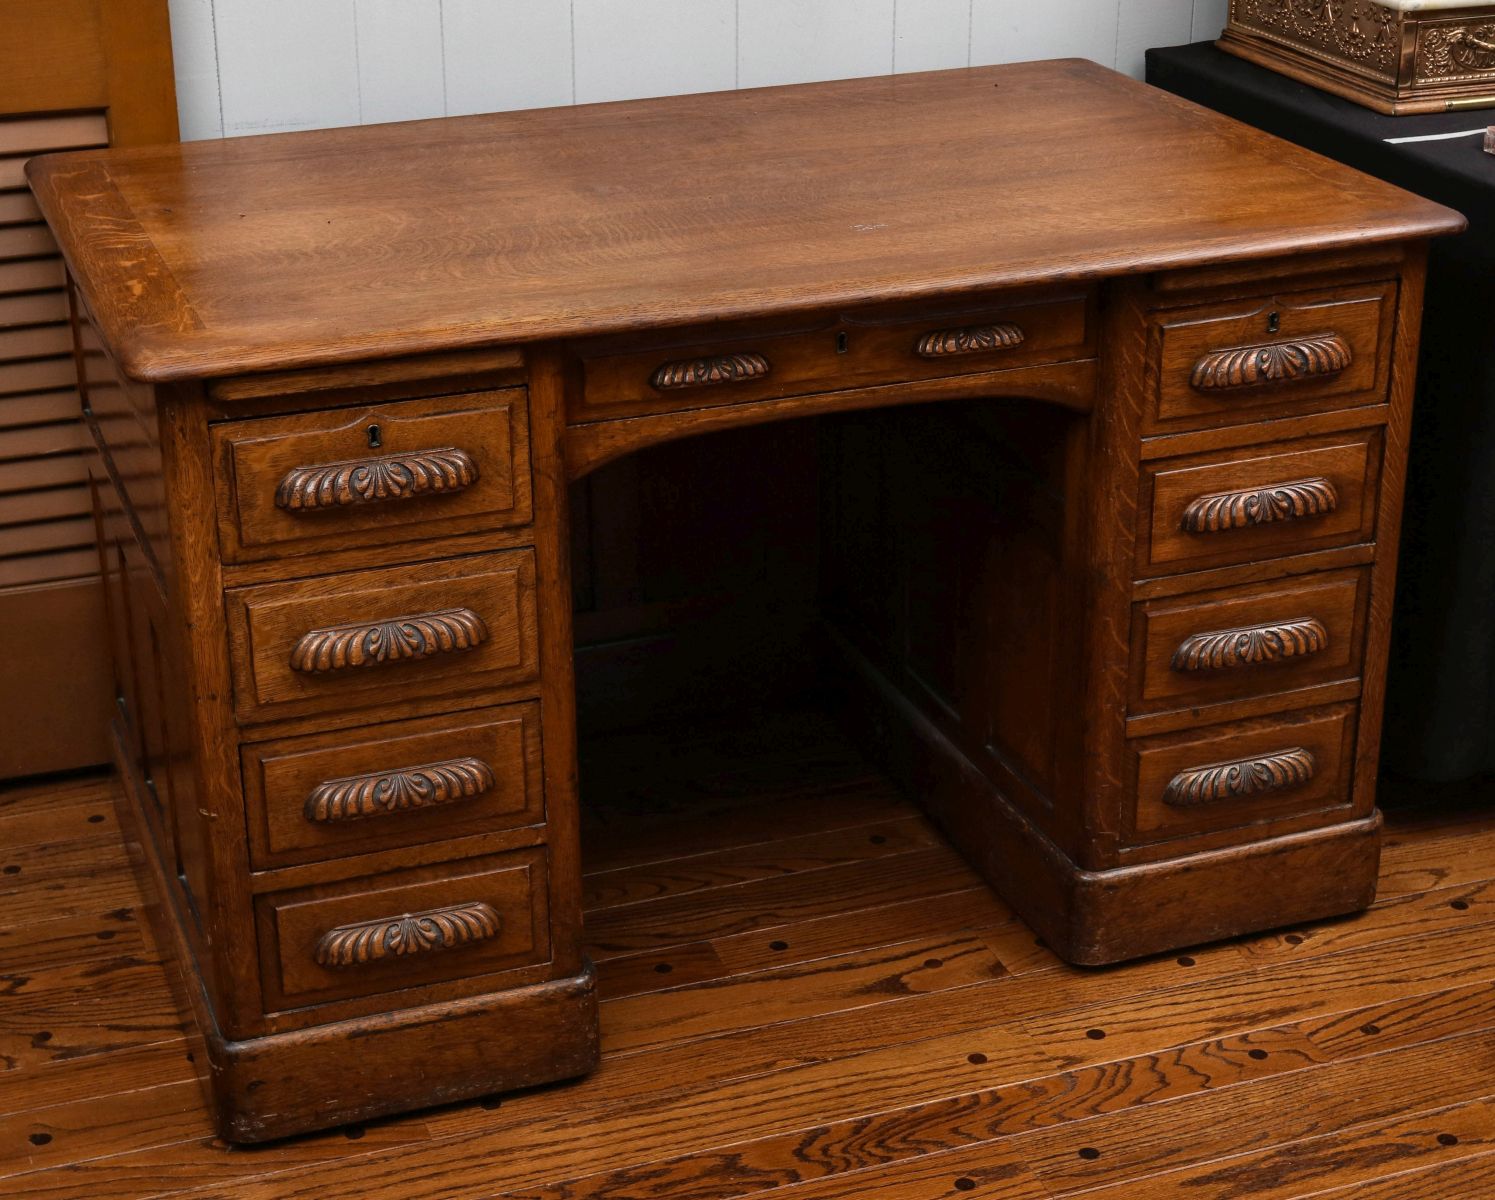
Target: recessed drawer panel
x=356, y=938
x=1243, y=643
x=1279, y=355
x=370, y=475
x=1239, y=774
x=382, y=787
x=383, y=636
x=1211, y=510
x=696, y=369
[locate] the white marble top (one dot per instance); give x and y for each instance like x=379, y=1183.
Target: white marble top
x=1419, y=5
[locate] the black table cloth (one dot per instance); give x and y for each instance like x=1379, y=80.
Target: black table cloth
x=1440, y=708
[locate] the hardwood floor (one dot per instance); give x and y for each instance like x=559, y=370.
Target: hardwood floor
x=806, y=991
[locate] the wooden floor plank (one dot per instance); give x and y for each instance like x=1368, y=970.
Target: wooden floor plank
x=744, y=864
x=806, y=993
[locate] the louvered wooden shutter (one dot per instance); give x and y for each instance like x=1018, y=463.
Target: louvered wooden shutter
x=73, y=74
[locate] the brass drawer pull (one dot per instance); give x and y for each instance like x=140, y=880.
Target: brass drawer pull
x=1274, y=362
x=1222, y=511
x=385, y=792
x=1244, y=777
x=1226, y=649
x=376, y=480
x=410, y=933
x=706, y=372
x=972, y=339
x=399, y=639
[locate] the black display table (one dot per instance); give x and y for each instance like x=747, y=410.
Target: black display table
x=1440, y=708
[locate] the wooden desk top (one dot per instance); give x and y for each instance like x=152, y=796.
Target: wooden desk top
x=216, y=258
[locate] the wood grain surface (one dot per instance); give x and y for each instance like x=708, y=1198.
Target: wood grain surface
x=287, y=251
x=911, y=1048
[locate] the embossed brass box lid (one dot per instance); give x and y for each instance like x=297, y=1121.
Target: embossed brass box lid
x=1395, y=56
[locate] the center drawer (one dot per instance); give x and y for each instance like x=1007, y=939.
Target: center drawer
x=729, y=365
x=388, y=635
x=383, y=787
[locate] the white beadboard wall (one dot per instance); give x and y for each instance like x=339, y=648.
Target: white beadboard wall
x=258, y=66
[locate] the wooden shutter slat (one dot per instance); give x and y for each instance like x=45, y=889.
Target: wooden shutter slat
x=33, y=341
x=18, y=207
x=37, y=375
x=42, y=537
x=45, y=568
x=33, y=308
x=34, y=135
x=53, y=504
x=26, y=241
x=38, y=408
x=30, y=275
x=57, y=470
x=63, y=438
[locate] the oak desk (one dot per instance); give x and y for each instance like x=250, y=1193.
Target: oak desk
x=1114, y=608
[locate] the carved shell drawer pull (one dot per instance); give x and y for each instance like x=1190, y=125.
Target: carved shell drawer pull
x=1241, y=778
x=408, y=934
x=707, y=372
x=1226, y=649
x=1286, y=361
x=971, y=339
x=376, y=480
x=398, y=639
x=405, y=790
x=1222, y=511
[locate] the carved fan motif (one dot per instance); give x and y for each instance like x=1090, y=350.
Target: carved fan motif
x=376, y=480
x=973, y=339
x=702, y=372
x=399, y=639
x=1260, y=506
x=360, y=796
x=1276, y=362
x=410, y=933
x=1228, y=648
x=1241, y=778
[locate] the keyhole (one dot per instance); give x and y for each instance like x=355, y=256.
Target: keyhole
x=841, y=342
x=375, y=440
x=1274, y=322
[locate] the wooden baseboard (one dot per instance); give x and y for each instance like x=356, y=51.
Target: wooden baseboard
x=1096, y=917
x=271, y=1087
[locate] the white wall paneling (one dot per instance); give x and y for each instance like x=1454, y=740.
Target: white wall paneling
x=1016, y=30
x=794, y=41
x=258, y=66
x=401, y=64
x=630, y=48
x=286, y=64
x=503, y=54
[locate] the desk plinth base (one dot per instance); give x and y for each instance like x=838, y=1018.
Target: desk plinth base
x=1092, y=918
x=281, y=1084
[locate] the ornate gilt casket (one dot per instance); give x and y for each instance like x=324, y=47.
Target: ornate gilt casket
x=1395, y=56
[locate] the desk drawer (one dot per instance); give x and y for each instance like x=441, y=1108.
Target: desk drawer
x=1227, y=776
x=386, y=635
x=1244, y=643
x=382, y=787
x=730, y=365
x=360, y=937
x=373, y=474
x=1211, y=510
x=1277, y=355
